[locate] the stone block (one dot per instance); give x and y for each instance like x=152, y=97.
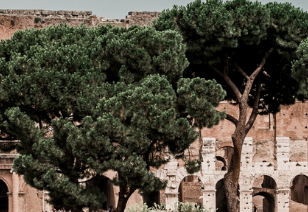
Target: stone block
x=37, y=12
x=46, y=12
x=75, y=13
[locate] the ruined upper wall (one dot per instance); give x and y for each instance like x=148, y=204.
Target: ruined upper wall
x=48, y=13
x=13, y=20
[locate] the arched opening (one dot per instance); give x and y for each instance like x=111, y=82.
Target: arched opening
x=299, y=193
x=151, y=198
x=264, y=194
x=105, y=186
x=221, y=199
x=223, y=158
x=306, y=195
x=264, y=202
x=191, y=190
x=4, y=202
x=264, y=181
x=221, y=164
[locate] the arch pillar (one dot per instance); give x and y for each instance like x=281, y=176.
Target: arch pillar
x=10, y=201
x=247, y=154
x=172, y=199
x=246, y=200
x=15, y=195
x=282, y=152
x=283, y=200
x=209, y=198
x=208, y=155
x=47, y=207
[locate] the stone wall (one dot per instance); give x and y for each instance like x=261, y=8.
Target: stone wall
x=21, y=197
x=13, y=20
x=48, y=13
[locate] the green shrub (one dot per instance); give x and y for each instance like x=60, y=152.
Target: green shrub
x=37, y=20
x=178, y=207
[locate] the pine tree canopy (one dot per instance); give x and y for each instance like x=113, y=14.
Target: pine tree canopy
x=300, y=69
x=83, y=101
x=241, y=33
x=248, y=48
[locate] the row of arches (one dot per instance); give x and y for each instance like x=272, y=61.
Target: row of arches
x=263, y=196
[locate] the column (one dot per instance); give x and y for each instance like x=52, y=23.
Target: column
x=15, y=180
x=171, y=201
x=47, y=206
x=283, y=151
x=246, y=200
x=208, y=155
x=282, y=200
x=247, y=153
x=10, y=201
x=209, y=198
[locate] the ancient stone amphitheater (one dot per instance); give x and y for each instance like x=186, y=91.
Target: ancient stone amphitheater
x=274, y=158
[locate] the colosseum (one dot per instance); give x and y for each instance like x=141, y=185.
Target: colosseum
x=274, y=174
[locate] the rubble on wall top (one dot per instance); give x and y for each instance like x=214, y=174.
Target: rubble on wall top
x=103, y=19
x=133, y=17
x=48, y=13
x=153, y=14
x=132, y=14
x=72, y=13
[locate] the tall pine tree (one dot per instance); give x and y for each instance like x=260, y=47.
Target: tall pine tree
x=84, y=101
x=248, y=48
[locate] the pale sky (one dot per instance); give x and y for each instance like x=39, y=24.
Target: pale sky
x=111, y=8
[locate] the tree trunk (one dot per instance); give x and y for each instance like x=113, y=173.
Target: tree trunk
x=232, y=176
x=123, y=198
x=121, y=204
x=233, y=203
x=76, y=209
x=275, y=141
x=231, y=181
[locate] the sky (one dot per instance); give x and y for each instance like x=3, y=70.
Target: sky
x=112, y=8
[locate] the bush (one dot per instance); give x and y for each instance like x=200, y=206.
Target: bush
x=178, y=207
x=37, y=20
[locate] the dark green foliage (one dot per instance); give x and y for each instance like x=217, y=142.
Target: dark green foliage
x=242, y=32
x=84, y=101
x=299, y=69
x=37, y=20
x=199, y=96
x=192, y=166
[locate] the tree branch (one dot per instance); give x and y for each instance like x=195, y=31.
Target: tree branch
x=257, y=71
x=216, y=70
x=232, y=119
x=240, y=70
x=255, y=111
x=226, y=67
x=228, y=80
x=255, y=74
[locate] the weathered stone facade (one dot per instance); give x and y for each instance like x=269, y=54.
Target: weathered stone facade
x=269, y=165
x=15, y=194
x=273, y=171
x=13, y=20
